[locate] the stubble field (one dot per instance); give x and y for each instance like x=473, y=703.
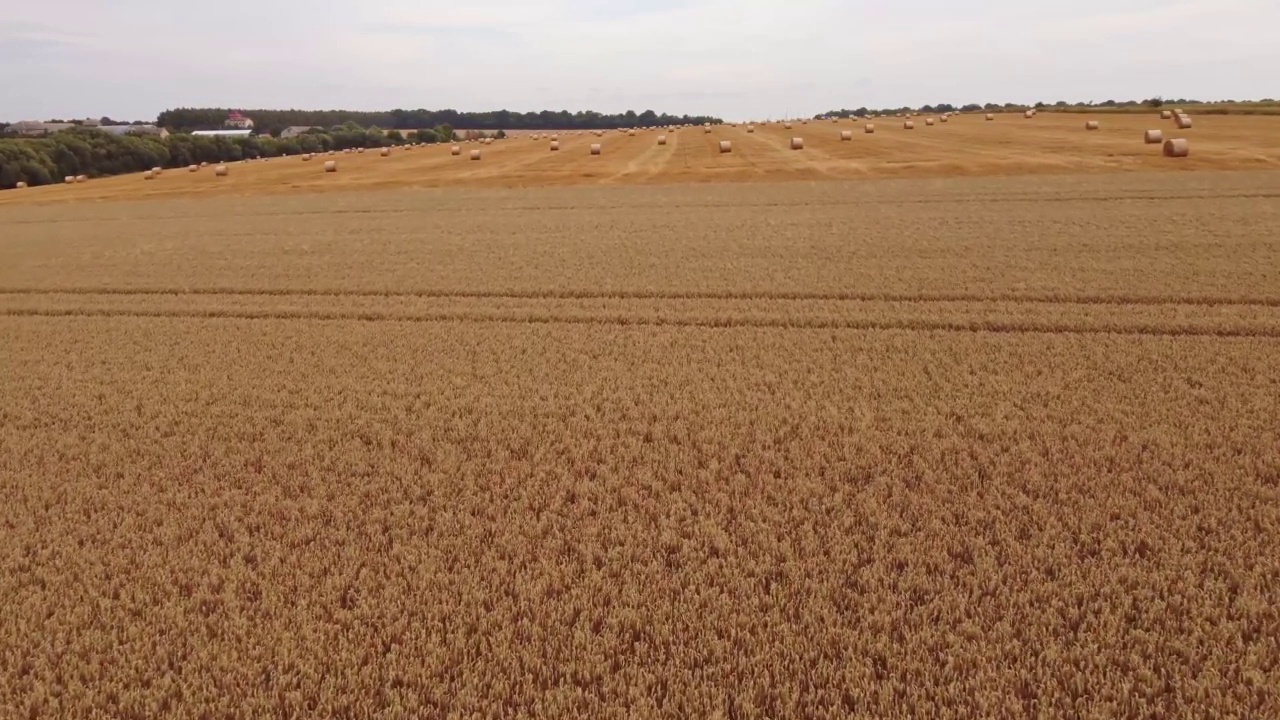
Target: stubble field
x=965, y=146
x=938, y=448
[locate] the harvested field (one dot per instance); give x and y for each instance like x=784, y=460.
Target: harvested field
x=967, y=146
x=948, y=448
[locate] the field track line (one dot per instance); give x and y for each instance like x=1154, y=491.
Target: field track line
x=968, y=326
x=850, y=202
x=799, y=296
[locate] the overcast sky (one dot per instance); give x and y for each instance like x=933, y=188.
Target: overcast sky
x=739, y=59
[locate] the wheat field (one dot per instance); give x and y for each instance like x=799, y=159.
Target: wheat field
x=934, y=447
x=967, y=145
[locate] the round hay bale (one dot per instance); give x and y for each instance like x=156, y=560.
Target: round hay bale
x=797, y=143
x=534, y=136
x=20, y=186
x=631, y=133
x=870, y=129
x=1177, y=148
x=193, y=168
x=990, y=117
x=662, y=139
x=204, y=164
x=595, y=148
x=157, y=170
x=786, y=126
x=1092, y=125
x=928, y=121
x=1166, y=114
x=706, y=131
x=1153, y=137
x=82, y=178
x=455, y=150
x=726, y=146
x=475, y=154
x=331, y=166
x=751, y=128
x=944, y=118
x=554, y=137
x=846, y=135
x=1182, y=121
x=555, y=145
x=361, y=151
x=220, y=171
x=385, y=152
x=1029, y=114
x=306, y=157
x=908, y=125
x=148, y=175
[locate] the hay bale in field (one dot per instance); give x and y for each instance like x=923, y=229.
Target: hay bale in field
x=631, y=133
x=1092, y=125
x=82, y=178
x=944, y=118
x=220, y=171
x=1153, y=137
x=385, y=152
x=360, y=151
x=193, y=168
x=751, y=128
x=797, y=143
x=786, y=126
x=555, y=145
x=455, y=150
x=475, y=154
x=706, y=131
x=1182, y=121
x=306, y=157
x=331, y=166
x=662, y=139
x=595, y=148
x=908, y=125
x=533, y=136
x=157, y=170
x=1177, y=148
x=846, y=135
x=1029, y=114
x=990, y=116
x=726, y=146
x=20, y=186
x=870, y=128
x=204, y=164
x=554, y=137
x=1166, y=114
x=928, y=122
x=148, y=175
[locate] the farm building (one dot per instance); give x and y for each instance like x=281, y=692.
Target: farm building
x=237, y=121
x=296, y=130
x=133, y=130
x=223, y=133
x=35, y=128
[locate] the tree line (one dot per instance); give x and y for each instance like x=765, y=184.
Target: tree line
x=85, y=151
x=1154, y=102
x=274, y=121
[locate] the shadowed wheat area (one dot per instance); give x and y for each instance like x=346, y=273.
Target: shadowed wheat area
x=944, y=448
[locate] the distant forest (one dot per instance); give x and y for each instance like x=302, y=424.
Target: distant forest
x=274, y=121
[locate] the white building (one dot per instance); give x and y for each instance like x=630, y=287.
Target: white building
x=238, y=121
x=223, y=133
